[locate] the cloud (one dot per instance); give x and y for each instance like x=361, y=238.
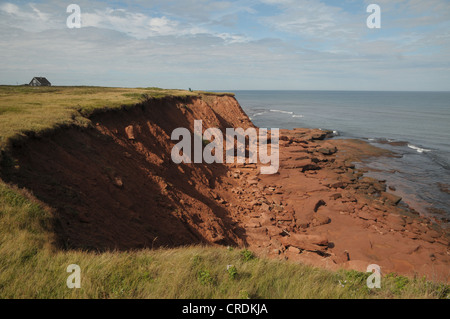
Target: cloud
x=250, y=44
x=27, y=17
x=314, y=19
x=137, y=25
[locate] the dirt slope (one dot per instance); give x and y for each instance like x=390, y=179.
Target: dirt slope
x=113, y=190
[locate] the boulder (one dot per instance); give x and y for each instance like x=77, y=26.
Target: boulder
x=327, y=149
x=320, y=220
x=253, y=223
x=338, y=185
x=336, y=196
x=266, y=219
x=293, y=250
x=391, y=198
x=274, y=231
x=319, y=135
x=433, y=233
x=341, y=257
x=129, y=132
x=366, y=215
x=118, y=182
x=306, y=242
x=303, y=164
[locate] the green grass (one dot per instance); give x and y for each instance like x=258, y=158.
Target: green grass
x=40, y=109
x=31, y=267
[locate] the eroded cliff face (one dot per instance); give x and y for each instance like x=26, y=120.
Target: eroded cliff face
x=115, y=186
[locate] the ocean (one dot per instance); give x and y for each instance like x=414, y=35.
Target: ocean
x=415, y=125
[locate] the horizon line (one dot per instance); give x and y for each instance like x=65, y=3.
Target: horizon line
x=232, y=90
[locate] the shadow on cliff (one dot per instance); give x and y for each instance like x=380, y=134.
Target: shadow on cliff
x=110, y=192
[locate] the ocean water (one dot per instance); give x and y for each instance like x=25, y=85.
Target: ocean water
x=415, y=125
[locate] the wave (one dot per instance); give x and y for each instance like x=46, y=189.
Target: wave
x=391, y=142
x=281, y=111
x=299, y=116
x=418, y=149
x=259, y=113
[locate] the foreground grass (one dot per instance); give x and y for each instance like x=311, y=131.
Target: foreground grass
x=39, y=109
x=31, y=268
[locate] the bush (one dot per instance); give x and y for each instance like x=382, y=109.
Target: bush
x=400, y=282
x=247, y=255
x=232, y=272
x=205, y=278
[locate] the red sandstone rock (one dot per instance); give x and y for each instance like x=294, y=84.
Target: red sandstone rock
x=307, y=242
x=391, y=198
x=129, y=131
x=366, y=215
x=319, y=220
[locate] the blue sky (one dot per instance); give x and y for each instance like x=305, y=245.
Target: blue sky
x=229, y=45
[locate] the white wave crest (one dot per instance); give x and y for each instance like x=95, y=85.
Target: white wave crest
x=299, y=116
x=418, y=149
x=281, y=111
x=259, y=113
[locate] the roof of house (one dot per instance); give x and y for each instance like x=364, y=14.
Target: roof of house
x=42, y=80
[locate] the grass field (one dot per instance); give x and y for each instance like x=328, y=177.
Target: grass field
x=30, y=267
x=26, y=109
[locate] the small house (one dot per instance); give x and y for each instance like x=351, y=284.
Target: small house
x=40, y=81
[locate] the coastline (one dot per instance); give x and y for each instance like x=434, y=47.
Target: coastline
x=426, y=195
x=318, y=209
x=413, y=125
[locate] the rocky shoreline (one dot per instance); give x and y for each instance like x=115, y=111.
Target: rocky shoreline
x=320, y=210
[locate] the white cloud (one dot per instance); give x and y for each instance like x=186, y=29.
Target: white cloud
x=313, y=19
x=28, y=17
x=314, y=45
x=9, y=8
x=136, y=25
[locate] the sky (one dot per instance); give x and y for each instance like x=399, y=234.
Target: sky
x=229, y=45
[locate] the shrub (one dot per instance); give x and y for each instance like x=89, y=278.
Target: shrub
x=400, y=282
x=247, y=255
x=232, y=272
x=205, y=278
